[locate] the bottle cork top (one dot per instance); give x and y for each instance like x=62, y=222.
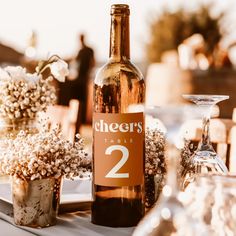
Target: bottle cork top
x=120, y=9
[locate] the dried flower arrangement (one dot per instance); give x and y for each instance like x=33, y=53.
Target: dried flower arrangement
x=155, y=165
x=37, y=162
x=22, y=94
x=42, y=155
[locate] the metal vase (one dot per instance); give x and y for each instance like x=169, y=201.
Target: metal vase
x=36, y=202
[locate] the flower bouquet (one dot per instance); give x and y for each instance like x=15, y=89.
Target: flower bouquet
x=37, y=163
x=155, y=165
x=22, y=94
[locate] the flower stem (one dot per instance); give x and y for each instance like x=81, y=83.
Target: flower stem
x=43, y=65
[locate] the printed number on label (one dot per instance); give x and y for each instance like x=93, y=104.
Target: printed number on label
x=125, y=155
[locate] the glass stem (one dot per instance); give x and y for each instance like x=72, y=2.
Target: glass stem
x=205, y=143
x=172, y=165
x=172, y=181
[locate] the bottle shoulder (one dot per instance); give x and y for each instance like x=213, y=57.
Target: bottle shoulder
x=111, y=71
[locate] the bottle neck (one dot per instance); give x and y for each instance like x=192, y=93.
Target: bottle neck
x=119, y=38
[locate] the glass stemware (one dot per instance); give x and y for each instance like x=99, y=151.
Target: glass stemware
x=224, y=209
x=199, y=199
x=169, y=217
x=211, y=199
x=205, y=159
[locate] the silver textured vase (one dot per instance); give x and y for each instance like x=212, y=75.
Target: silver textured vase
x=36, y=202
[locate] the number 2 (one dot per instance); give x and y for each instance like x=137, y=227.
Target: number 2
x=125, y=155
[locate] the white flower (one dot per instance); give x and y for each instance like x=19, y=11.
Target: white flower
x=16, y=72
x=4, y=75
x=59, y=70
x=33, y=78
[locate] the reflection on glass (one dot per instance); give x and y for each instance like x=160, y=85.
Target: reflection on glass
x=199, y=199
x=224, y=209
x=211, y=199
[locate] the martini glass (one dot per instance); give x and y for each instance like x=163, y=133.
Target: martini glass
x=205, y=159
x=169, y=217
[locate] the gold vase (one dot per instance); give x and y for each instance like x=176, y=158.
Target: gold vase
x=36, y=202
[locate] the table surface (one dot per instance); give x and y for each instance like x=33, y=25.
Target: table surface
x=69, y=224
x=10, y=230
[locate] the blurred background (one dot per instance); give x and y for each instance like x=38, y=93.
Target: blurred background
x=182, y=46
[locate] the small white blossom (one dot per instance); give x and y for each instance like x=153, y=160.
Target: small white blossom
x=154, y=150
x=155, y=164
x=4, y=75
x=16, y=72
x=59, y=70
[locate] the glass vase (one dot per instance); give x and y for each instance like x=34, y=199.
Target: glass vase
x=9, y=128
x=13, y=126
x=36, y=202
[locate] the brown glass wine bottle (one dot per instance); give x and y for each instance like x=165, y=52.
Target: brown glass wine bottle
x=118, y=145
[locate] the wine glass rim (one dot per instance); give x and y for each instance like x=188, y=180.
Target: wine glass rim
x=173, y=108
x=205, y=96
x=224, y=177
x=217, y=175
x=214, y=178
x=171, y=115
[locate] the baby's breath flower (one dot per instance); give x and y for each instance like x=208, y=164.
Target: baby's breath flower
x=155, y=165
x=154, y=151
x=44, y=154
x=185, y=161
x=22, y=94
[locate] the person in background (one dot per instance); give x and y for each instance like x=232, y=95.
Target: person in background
x=85, y=61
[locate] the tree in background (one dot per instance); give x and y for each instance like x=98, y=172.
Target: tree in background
x=170, y=29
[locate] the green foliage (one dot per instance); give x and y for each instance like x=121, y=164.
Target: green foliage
x=170, y=29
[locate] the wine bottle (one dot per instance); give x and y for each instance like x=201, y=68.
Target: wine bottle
x=118, y=135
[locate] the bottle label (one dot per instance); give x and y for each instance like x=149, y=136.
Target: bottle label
x=118, y=149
